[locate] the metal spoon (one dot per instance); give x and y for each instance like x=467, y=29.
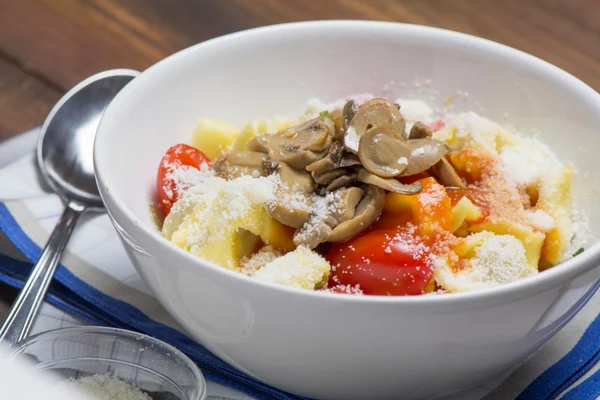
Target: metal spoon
x=65, y=160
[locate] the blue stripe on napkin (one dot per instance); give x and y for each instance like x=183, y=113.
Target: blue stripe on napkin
x=87, y=302
x=588, y=389
x=76, y=297
x=568, y=369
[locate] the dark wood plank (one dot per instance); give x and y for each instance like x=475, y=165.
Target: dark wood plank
x=61, y=42
x=24, y=100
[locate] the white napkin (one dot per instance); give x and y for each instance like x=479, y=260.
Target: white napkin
x=95, y=255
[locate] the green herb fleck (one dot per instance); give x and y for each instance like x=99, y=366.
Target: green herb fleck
x=578, y=252
x=324, y=114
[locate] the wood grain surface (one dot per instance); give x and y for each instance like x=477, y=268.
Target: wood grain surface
x=47, y=46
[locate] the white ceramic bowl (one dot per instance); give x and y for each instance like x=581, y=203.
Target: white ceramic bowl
x=325, y=345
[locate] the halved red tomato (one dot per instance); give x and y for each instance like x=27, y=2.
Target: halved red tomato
x=382, y=262
x=177, y=156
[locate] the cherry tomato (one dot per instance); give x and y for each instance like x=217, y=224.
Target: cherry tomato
x=382, y=262
x=177, y=156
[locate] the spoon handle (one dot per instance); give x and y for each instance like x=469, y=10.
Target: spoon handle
x=25, y=309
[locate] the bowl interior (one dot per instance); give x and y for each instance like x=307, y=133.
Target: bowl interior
x=275, y=70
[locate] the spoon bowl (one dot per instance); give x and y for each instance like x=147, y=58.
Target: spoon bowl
x=65, y=160
x=66, y=141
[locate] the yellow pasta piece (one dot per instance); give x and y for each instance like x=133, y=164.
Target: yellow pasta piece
x=262, y=127
x=556, y=199
x=532, y=241
x=214, y=137
x=487, y=260
x=278, y=235
x=241, y=142
x=463, y=211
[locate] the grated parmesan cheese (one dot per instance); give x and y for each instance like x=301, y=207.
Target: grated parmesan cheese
x=351, y=139
x=528, y=162
x=540, y=220
x=105, y=387
x=185, y=177
x=251, y=264
x=208, y=216
x=301, y=268
x=413, y=111
x=497, y=259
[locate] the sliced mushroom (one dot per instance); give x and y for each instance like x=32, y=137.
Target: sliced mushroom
x=346, y=201
x=350, y=110
x=424, y=153
x=235, y=171
x=240, y=165
x=246, y=158
x=446, y=174
x=389, y=184
x=312, y=235
x=220, y=165
x=376, y=112
x=382, y=154
x=270, y=166
x=349, y=160
x=259, y=143
x=367, y=211
x=419, y=131
x=330, y=161
x=304, y=144
x=338, y=121
x=326, y=177
x=297, y=180
x=341, y=181
x=288, y=215
x=289, y=206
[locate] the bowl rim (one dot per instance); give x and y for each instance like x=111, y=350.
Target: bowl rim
x=17, y=348
x=568, y=270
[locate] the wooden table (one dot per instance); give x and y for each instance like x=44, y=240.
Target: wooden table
x=47, y=46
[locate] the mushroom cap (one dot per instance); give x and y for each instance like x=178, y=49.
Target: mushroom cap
x=330, y=161
x=260, y=143
x=325, y=177
x=287, y=213
x=312, y=235
x=303, y=144
x=246, y=158
x=446, y=174
x=388, y=184
x=290, y=177
x=348, y=113
x=376, y=112
x=340, y=182
x=424, y=153
x=382, y=153
x=346, y=201
x=419, y=131
x=367, y=211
